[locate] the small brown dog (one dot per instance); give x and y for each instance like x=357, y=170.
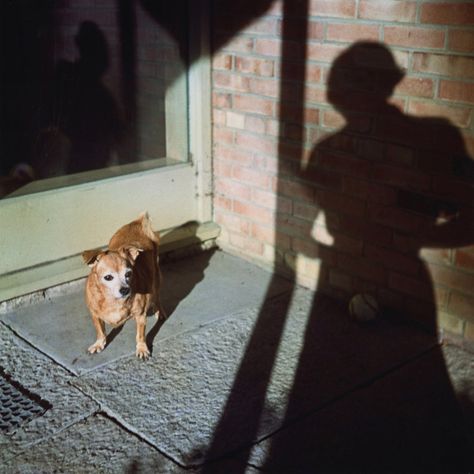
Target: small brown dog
x=124, y=282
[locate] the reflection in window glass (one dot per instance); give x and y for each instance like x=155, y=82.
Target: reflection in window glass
x=88, y=88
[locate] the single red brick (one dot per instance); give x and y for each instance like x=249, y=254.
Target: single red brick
x=252, y=104
x=461, y=40
x=349, y=32
x=415, y=86
x=218, y=117
x=333, y=8
x=316, y=95
x=265, y=87
x=457, y=91
x=251, y=176
x=323, y=52
x=249, y=65
x=232, y=82
x=222, y=202
x=223, y=136
x=221, y=100
x=444, y=64
x=255, y=143
x=268, y=46
x=448, y=13
x=255, y=124
x=254, y=212
x=414, y=37
x=222, y=168
x=231, y=189
x=388, y=10
x=222, y=61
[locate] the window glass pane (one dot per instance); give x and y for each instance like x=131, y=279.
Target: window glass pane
x=90, y=89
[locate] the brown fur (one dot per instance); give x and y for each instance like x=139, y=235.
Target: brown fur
x=132, y=250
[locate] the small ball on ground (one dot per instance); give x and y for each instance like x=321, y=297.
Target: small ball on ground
x=363, y=308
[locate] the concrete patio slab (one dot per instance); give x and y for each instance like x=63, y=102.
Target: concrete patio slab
x=195, y=291
x=113, y=450
x=45, y=379
x=222, y=386
x=408, y=421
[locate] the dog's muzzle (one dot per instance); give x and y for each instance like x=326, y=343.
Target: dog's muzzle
x=124, y=291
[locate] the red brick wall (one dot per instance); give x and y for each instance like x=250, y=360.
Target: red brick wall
x=346, y=203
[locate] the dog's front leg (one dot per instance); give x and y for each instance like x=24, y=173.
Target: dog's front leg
x=142, y=349
x=101, y=338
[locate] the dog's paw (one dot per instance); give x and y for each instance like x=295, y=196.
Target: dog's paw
x=142, y=351
x=98, y=346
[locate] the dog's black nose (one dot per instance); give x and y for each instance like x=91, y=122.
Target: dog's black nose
x=124, y=291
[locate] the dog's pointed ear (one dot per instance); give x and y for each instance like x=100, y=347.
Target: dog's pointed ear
x=131, y=252
x=91, y=257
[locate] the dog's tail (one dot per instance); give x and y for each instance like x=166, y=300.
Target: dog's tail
x=147, y=229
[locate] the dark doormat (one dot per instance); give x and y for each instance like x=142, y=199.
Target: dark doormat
x=18, y=406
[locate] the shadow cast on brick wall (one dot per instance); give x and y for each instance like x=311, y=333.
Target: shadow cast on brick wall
x=369, y=198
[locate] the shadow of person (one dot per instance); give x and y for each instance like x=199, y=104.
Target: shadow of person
x=384, y=187
x=401, y=184
x=84, y=124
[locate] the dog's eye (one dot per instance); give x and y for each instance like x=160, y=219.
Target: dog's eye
x=108, y=277
x=128, y=274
